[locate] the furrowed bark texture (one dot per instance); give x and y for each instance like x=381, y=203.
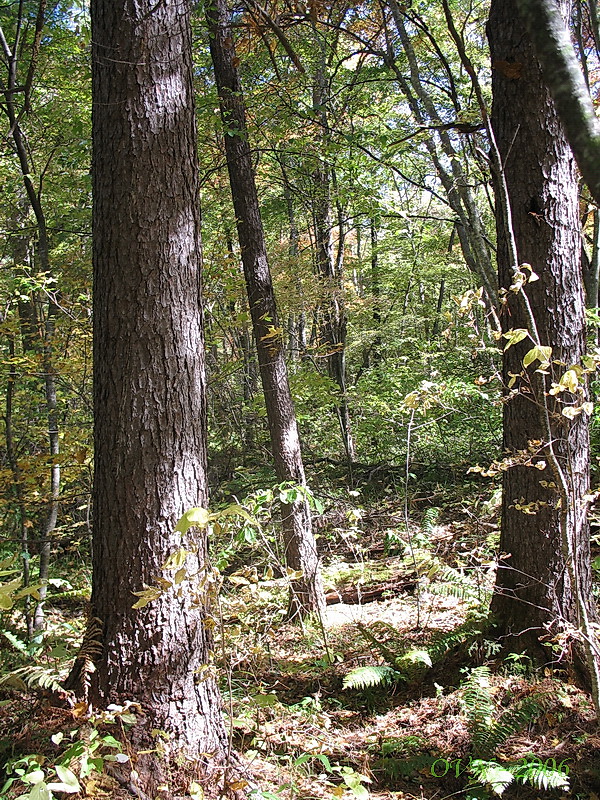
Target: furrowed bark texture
x=533, y=593
x=149, y=393
x=300, y=547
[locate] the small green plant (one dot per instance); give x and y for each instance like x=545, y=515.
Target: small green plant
x=518, y=663
x=490, y=729
x=87, y=750
x=369, y=676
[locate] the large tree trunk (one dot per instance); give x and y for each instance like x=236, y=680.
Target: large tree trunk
x=534, y=595
x=300, y=547
x=149, y=382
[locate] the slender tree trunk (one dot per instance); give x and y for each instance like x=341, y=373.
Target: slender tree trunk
x=51, y=308
x=438, y=311
x=17, y=478
x=334, y=320
x=376, y=290
x=149, y=386
x=448, y=163
x=300, y=547
x=534, y=596
x=591, y=264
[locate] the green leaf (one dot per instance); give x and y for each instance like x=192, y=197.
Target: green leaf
x=40, y=792
x=35, y=776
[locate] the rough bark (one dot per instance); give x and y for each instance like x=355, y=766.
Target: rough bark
x=149, y=382
x=300, y=547
x=533, y=596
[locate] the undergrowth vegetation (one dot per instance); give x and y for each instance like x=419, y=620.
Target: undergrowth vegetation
x=363, y=703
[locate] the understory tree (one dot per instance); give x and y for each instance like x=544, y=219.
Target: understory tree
x=300, y=547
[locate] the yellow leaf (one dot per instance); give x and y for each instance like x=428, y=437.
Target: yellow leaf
x=538, y=353
x=177, y=559
x=146, y=596
x=180, y=576
x=570, y=412
x=80, y=710
x=272, y=333
x=194, y=518
x=514, y=336
x=570, y=380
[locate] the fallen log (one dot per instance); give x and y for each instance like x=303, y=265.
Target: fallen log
x=355, y=595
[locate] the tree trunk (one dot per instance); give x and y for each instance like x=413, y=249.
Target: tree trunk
x=534, y=596
x=448, y=163
x=334, y=320
x=149, y=383
x=45, y=344
x=300, y=547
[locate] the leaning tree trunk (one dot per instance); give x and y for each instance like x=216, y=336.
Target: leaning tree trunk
x=300, y=547
x=149, y=384
x=534, y=595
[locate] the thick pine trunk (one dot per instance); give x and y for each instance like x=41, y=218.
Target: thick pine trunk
x=533, y=594
x=149, y=383
x=300, y=547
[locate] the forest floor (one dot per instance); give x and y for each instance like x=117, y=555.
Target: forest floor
x=442, y=711
x=399, y=691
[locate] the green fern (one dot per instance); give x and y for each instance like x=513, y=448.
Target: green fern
x=489, y=732
x=451, y=582
x=32, y=677
x=495, y=777
x=430, y=520
x=17, y=643
x=492, y=774
x=369, y=676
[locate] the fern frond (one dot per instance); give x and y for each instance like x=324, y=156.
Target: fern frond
x=430, y=519
x=17, y=643
x=32, y=676
x=488, y=733
x=451, y=582
x=492, y=774
x=540, y=775
x=365, y=677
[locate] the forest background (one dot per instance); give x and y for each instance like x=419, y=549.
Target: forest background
x=370, y=144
